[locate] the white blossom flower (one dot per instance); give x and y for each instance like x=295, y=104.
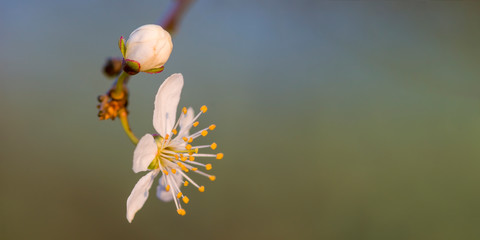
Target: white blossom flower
x=170, y=151
x=147, y=49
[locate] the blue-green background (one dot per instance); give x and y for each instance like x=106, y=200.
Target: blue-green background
x=338, y=120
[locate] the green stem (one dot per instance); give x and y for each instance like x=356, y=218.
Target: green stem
x=126, y=127
x=118, y=92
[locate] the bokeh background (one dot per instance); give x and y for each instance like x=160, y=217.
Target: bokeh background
x=338, y=120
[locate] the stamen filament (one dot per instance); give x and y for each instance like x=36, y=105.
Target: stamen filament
x=189, y=179
x=204, y=155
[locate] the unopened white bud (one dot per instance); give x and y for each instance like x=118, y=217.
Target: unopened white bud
x=149, y=46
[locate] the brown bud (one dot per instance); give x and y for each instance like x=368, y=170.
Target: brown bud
x=113, y=66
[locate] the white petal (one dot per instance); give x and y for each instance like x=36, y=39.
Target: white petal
x=166, y=103
x=184, y=120
x=164, y=195
x=139, y=194
x=144, y=153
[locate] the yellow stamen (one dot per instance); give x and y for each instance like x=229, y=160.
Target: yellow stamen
x=166, y=137
x=204, y=133
x=188, y=147
x=213, y=146
x=167, y=188
x=179, y=194
x=184, y=110
x=203, y=109
x=190, y=140
x=165, y=171
x=176, y=157
x=174, y=131
x=185, y=139
x=212, y=178
x=185, y=199
x=185, y=183
x=195, y=124
x=213, y=126
x=191, y=158
x=182, y=167
x=208, y=166
x=181, y=212
x=194, y=169
x=201, y=189
x=219, y=156
x=184, y=158
x=174, y=170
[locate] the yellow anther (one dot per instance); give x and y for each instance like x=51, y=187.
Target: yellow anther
x=181, y=212
x=219, y=156
x=165, y=171
x=184, y=158
x=191, y=158
x=184, y=110
x=204, y=133
x=191, y=152
x=167, y=188
x=185, y=183
x=185, y=139
x=195, y=124
x=203, y=109
x=213, y=146
x=176, y=157
x=179, y=194
x=190, y=140
x=208, y=166
x=188, y=147
x=196, y=150
x=174, y=131
x=213, y=126
x=185, y=199
x=201, y=189
x=194, y=169
x=212, y=178
x=184, y=169
x=174, y=170
x=166, y=137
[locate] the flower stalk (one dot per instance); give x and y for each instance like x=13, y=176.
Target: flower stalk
x=126, y=127
x=118, y=86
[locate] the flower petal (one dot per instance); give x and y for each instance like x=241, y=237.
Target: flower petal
x=144, y=153
x=185, y=122
x=162, y=194
x=166, y=103
x=139, y=194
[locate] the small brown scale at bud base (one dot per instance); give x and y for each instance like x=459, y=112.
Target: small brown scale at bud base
x=110, y=107
x=113, y=66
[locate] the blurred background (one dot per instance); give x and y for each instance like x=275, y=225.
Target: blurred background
x=338, y=120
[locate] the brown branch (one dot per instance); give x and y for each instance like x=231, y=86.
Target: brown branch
x=174, y=15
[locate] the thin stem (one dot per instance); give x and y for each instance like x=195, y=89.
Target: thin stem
x=126, y=127
x=118, y=92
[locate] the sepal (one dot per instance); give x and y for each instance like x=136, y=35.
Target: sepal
x=155, y=70
x=121, y=46
x=131, y=67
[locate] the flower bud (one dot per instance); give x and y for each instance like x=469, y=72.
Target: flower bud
x=149, y=46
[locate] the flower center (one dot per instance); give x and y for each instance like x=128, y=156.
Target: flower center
x=176, y=157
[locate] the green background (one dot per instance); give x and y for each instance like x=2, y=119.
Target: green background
x=338, y=120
